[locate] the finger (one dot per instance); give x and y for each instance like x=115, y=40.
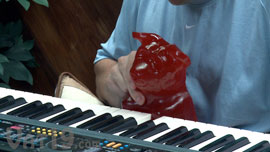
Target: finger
x=118, y=80
x=125, y=64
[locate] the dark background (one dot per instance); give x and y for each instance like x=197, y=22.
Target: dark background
x=67, y=36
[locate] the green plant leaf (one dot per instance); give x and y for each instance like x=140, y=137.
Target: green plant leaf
x=2, y=28
x=3, y=58
x=28, y=45
x=5, y=41
x=25, y=4
x=4, y=76
x=16, y=29
x=17, y=53
x=13, y=28
x=18, y=71
x=31, y=63
x=20, y=51
x=42, y=2
x=3, y=85
x=1, y=69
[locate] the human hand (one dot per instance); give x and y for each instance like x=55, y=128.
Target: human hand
x=120, y=77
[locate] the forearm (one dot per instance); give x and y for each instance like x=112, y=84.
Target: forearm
x=105, y=86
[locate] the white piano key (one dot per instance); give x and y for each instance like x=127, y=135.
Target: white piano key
x=140, y=117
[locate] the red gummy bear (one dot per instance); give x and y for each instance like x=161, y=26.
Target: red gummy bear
x=159, y=73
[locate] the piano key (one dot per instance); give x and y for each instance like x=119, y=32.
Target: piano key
x=254, y=138
x=197, y=139
x=218, y=143
x=99, y=126
x=65, y=115
x=170, y=135
x=120, y=126
x=234, y=145
x=77, y=117
x=6, y=99
x=173, y=123
x=11, y=104
x=266, y=150
x=33, y=111
x=47, y=112
x=140, y=128
x=259, y=147
x=218, y=131
x=69, y=104
x=151, y=131
x=98, y=110
x=183, y=137
x=95, y=120
x=24, y=108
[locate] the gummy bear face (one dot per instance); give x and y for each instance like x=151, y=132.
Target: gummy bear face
x=159, y=68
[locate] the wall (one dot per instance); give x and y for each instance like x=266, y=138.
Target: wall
x=67, y=35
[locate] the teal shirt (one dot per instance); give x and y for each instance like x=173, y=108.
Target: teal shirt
x=228, y=42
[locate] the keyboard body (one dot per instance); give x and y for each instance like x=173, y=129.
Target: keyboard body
x=35, y=132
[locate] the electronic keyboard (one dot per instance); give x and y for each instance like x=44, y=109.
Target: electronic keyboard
x=34, y=122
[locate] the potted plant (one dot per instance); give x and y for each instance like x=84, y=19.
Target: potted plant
x=15, y=55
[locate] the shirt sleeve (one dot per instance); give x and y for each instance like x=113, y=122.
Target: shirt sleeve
x=120, y=42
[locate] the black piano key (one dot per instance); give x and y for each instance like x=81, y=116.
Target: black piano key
x=48, y=112
x=259, y=147
x=266, y=150
x=24, y=108
x=197, y=139
x=77, y=117
x=105, y=123
x=218, y=143
x=12, y=104
x=170, y=135
x=6, y=99
x=183, y=137
x=234, y=145
x=120, y=126
x=152, y=131
x=65, y=115
x=33, y=111
x=142, y=127
x=95, y=121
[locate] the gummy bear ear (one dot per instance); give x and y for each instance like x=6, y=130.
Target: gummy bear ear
x=148, y=38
